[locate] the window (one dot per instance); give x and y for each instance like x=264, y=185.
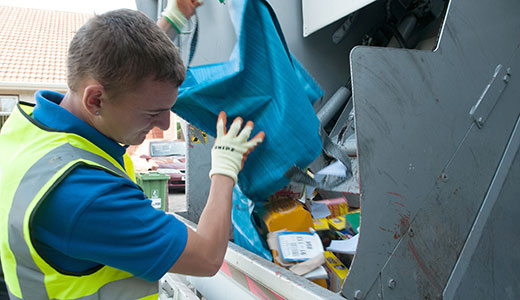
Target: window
x=7, y=103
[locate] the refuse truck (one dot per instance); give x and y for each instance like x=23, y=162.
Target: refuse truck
x=424, y=96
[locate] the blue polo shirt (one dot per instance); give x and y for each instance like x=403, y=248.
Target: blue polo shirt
x=94, y=218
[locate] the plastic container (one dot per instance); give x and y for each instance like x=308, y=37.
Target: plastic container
x=155, y=187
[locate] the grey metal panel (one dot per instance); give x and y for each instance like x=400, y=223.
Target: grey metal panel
x=488, y=265
x=216, y=36
x=328, y=63
x=198, y=165
x=441, y=225
x=148, y=7
x=424, y=165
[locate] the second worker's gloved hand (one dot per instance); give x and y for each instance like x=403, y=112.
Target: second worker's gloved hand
x=177, y=12
x=231, y=149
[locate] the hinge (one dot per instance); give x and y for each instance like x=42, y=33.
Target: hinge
x=485, y=104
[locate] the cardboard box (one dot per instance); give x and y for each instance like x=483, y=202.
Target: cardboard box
x=337, y=271
x=321, y=224
x=338, y=206
x=338, y=223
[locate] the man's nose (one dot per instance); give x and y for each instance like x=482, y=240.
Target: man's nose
x=163, y=120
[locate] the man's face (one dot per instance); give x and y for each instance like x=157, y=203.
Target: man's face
x=128, y=117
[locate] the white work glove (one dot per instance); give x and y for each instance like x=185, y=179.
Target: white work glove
x=231, y=149
x=177, y=12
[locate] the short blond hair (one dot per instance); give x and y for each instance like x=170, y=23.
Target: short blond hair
x=120, y=49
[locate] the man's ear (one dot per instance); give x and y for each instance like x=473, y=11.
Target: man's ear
x=93, y=96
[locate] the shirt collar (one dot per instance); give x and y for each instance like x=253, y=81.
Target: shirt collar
x=49, y=113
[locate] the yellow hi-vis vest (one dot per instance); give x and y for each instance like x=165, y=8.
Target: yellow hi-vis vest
x=33, y=160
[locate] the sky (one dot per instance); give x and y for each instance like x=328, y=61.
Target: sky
x=83, y=6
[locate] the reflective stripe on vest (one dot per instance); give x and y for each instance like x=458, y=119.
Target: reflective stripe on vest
x=105, y=283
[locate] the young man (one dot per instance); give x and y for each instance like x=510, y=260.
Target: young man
x=74, y=225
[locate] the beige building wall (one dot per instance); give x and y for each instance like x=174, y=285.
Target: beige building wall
x=26, y=96
x=25, y=91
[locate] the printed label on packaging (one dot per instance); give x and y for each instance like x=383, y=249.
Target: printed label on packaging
x=299, y=246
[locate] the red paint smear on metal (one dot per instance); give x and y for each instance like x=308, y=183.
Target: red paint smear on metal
x=396, y=194
x=384, y=229
x=256, y=290
x=422, y=266
x=399, y=203
x=405, y=221
x=278, y=296
x=251, y=284
x=225, y=268
x=403, y=226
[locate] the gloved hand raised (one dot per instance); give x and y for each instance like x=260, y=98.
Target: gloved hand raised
x=231, y=149
x=177, y=12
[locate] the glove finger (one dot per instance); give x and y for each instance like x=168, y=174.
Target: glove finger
x=221, y=124
x=251, y=145
x=257, y=139
x=246, y=132
x=235, y=127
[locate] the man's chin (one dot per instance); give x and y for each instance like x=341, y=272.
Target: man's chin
x=138, y=141
x=135, y=141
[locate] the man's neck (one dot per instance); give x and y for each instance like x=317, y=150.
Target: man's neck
x=72, y=103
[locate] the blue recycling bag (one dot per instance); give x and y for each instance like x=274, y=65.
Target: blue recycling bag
x=264, y=83
x=244, y=229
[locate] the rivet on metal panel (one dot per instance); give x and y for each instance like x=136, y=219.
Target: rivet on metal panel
x=392, y=283
x=508, y=74
x=358, y=294
x=444, y=177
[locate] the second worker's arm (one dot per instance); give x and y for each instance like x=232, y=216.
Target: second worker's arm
x=176, y=14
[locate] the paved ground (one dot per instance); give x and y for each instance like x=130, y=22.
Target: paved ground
x=176, y=201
